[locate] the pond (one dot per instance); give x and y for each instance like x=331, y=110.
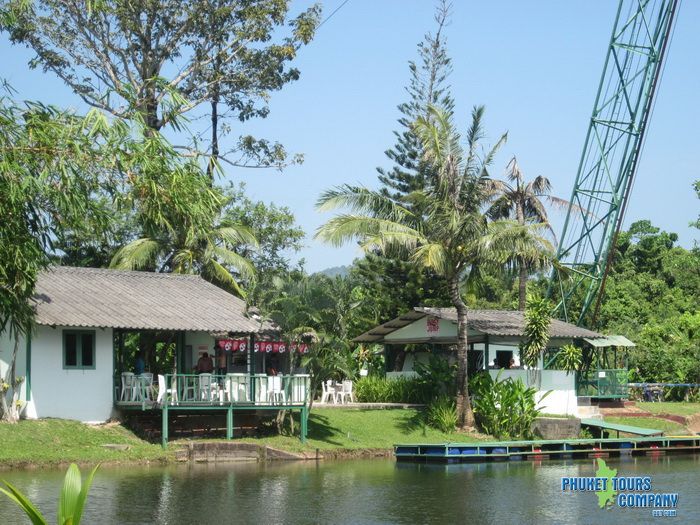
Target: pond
x=361, y=491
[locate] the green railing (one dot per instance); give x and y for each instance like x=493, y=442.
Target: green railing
x=608, y=383
x=217, y=390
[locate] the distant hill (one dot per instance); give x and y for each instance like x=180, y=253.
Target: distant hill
x=343, y=271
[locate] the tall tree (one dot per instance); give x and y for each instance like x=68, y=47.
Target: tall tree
x=450, y=235
x=277, y=233
x=522, y=201
x=51, y=164
x=395, y=283
x=172, y=244
x=157, y=59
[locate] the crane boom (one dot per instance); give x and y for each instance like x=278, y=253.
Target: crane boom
x=611, y=152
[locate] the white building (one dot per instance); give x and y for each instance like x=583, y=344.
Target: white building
x=73, y=360
x=494, y=337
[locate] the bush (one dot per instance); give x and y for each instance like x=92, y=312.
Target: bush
x=504, y=409
x=381, y=390
x=442, y=414
x=436, y=378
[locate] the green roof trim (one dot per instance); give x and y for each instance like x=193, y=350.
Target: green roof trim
x=598, y=423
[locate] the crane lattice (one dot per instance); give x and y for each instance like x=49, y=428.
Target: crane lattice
x=623, y=104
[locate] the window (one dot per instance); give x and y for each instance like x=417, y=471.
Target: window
x=78, y=349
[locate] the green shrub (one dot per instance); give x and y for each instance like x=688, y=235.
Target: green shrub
x=504, y=409
x=374, y=389
x=442, y=414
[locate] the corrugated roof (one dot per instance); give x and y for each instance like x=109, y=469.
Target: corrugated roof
x=491, y=322
x=95, y=297
x=611, y=340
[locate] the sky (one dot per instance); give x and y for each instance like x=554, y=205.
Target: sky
x=534, y=65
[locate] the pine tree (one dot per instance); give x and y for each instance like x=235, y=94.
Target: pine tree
x=427, y=86
x=398, y=285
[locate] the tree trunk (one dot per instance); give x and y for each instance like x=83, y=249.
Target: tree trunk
x=215, y=98
x=522, y=286
x=214, y=137
x=10, y=412
x=465, y=416
x=522, y=268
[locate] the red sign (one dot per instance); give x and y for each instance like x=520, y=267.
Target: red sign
x=241, y=345
x=433, y=324
x=233, y=345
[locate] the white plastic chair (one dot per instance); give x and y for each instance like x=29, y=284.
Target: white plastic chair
x=128, y=387
x=205, y=387
x=143, y=385
x=346, y=392
x=164, y=392
x=236, y=389
x=328, y=391
x=276, y=393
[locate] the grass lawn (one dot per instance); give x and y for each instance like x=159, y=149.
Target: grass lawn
x=668, y=427
x=54, y=441
x=335, y=428
x=678, y=408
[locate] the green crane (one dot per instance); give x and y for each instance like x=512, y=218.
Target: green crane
x=610, y=157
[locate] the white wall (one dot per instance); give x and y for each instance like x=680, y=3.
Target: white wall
x=84, y=395
x=562, y=400
x=418, y=329
x=200, y=342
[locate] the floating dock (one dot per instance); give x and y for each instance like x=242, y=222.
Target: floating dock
x=547, y=449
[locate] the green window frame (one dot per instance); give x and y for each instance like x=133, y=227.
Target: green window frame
x=79, y=349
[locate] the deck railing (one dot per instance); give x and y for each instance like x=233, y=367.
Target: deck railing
x=222, y=390
x=608, y=383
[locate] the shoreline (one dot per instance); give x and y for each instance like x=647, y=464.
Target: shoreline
x=180, y=455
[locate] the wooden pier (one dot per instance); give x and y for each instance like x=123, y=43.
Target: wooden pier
x=547, y=449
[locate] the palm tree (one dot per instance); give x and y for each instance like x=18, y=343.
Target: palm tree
x=451, y=235
x=523, y=202
x=209, y=252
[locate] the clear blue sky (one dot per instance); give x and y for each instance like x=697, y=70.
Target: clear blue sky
x=535, y=65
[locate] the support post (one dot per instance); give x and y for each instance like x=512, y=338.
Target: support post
x=304, y=423
x=251, y=367
x=229, y=423
x=28, y=371
x=164, y=428
x=486, y=352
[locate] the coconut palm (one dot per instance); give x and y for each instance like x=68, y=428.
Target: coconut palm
x=208, y=252
x=522, y=201
x=451, y=236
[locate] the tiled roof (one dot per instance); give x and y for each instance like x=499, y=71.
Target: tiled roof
x=491, y=322
x=93, y=297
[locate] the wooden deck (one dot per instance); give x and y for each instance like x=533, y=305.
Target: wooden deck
x=223, y=394
x=546, y=449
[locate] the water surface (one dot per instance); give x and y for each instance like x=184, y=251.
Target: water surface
x=372, y=491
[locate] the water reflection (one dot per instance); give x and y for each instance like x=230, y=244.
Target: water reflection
x=377, y=491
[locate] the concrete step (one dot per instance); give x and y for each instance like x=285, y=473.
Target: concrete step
x=583, y=401
x=591, y=412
